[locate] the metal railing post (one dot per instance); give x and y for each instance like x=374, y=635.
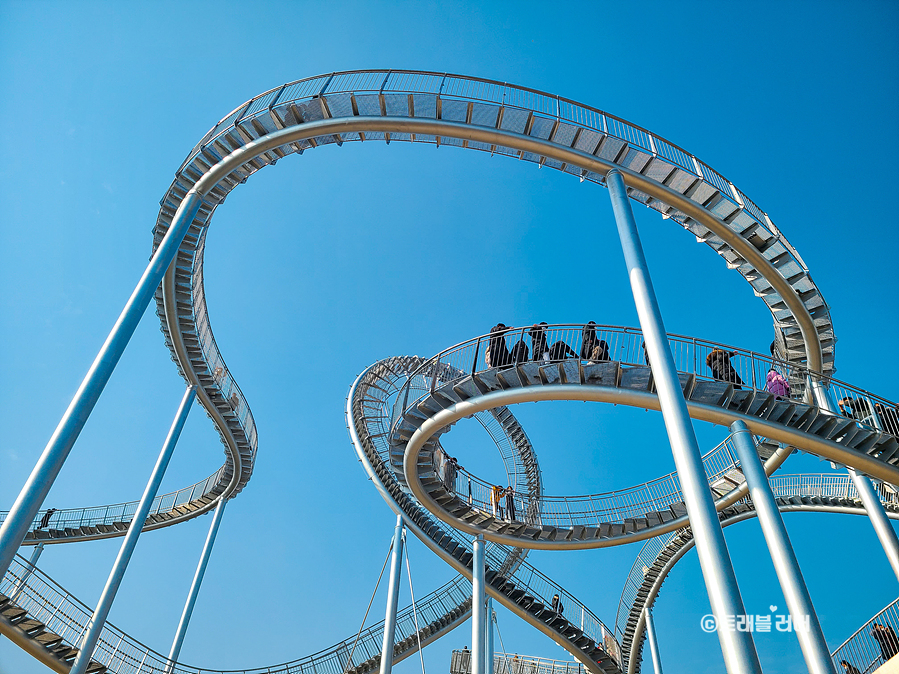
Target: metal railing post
x=873, y=507
x=718, y=572
x=490, y=637
x=653, y=642
x=98, y=620
x=36, y=488
x=478, y=607
x=195, y=585
x=811, y=640
x=393, y=596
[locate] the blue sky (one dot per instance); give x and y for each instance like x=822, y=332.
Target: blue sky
x=340, y=257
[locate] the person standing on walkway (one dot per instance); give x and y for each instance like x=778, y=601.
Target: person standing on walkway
x=510, y=503
x=496, y=495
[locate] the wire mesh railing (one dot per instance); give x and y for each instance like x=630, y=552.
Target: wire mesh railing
x=589, y=510
x=590, y=344
x=512, y=663
x=873, y=644
x=374, y=424
x=65, y=616
x=823, y=485
x=119, y=513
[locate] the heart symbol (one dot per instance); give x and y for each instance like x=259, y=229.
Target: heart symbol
x=772, y=608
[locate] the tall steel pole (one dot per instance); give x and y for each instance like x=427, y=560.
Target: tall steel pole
x=653, y=643
x=478, y=607
x=195, y=585
x=393, y=597
x=32, y=496
x=873, y=506
x=721, y=583
x=488, y=659
x=98, y=620
x=811, y=640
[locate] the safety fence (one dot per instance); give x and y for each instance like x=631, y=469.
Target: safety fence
x=509, y=663
x=873, y=644
x=119, y=513
x=585, y=344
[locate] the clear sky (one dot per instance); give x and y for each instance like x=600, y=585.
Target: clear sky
x=332, y=260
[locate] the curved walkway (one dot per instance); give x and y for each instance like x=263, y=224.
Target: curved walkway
x=456, y=383
x=833, y=493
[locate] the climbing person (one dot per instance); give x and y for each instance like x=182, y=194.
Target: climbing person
x=719, y=363
x=510, y=503
x=497, y=355
x=450, y=469
x=538, y=342
x=889, y=418
x=554, y=605
x=645, y=354
x=854, y=408
x=45, y=520
x=496, y=495
x=777, y=384
x=886, y=637
x=849, y=669
x=588, y=340
x=560, y=351
x=519, y=353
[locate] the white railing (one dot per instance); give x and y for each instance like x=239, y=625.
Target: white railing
x=512, y=663
x=873, y=644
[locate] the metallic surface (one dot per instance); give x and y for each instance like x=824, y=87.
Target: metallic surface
x=393, y=596
x=799, y=602
x=882, y=527
x=653, y=642
x=197, y=581
x=29, y=501
x=885, y=531
x=488, y=657
x=717, y=570
x=479, y=618
x=98, y=620
x=32, y=565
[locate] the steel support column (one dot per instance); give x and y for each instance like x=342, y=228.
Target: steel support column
x=488, y=658
x=873, y=506
x=478, y=608
x=32, y=564
x=98, y=620
x=32, y=496
x=393, y=597
x=811, y=640
x=195, y=585
x=718, y=572
x=653, y=643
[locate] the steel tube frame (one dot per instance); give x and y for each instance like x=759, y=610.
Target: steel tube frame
x=653, y=643
x=799, y=602
x=393, y=596
x=488, y=659
x=738, y=648
x=98, y=620
x=876, y=512
x=478, y=607
x=195, y=585
x=36, y=488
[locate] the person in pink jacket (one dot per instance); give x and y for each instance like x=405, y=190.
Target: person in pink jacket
x=775, y=382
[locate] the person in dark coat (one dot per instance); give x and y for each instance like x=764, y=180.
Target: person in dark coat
x=510, y=503
x=889, y=418
x=645, y=354
x=519, y=353
x=848, y=669
x=588, y=340
x=719, y=363
x=854, y=408
x=497, y=354
x=538, y=341
x=45, y=520
x=561, y=351
x=886, y=637
x=450, y=468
